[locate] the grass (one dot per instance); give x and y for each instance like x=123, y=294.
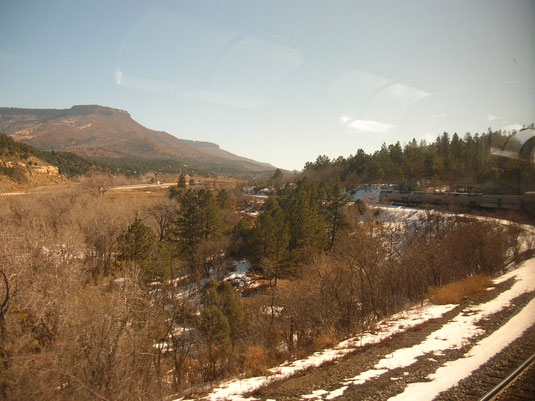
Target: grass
x=456, y=291
x=325, y=340
x=255, y=361
x=142, y=193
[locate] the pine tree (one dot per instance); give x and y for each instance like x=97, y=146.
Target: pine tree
x=225, y=297
x=271, y=234
x=188, y=227
x=241, y=235
x=199, y=218
x=334, y=211
x=223, y=199
x=307, y=225
x=136, y=244
x=211, y=218
x=181, y=181
x=275, y=179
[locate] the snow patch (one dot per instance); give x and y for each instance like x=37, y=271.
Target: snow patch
x=452, y=372
x=368, y=192
x=238, y=277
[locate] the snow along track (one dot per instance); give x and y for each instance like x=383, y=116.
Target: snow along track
x=498, y=368
x=400, y=322
x=452, y=372
x=456, y=334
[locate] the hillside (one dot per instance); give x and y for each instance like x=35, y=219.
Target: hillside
x=24, y=166
x=215, y=150
x=102, y=132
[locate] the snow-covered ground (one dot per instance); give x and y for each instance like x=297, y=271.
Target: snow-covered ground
x=452, y=372
x=368, y=192
x=452, y=335
x=413, y=215
x=237, y=276
x=455, y=334
x=233, y=389
x=401, y=216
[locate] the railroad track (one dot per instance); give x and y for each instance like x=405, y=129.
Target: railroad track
x=519, y=385
x=482, y=384
x=514, y=377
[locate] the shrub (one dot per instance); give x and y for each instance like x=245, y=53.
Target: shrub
x=255, y=360
x=325, y=340
x=361, y=206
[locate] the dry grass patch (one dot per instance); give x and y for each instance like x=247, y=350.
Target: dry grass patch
x=255, y=361
x=325, y=340
x=453, y=293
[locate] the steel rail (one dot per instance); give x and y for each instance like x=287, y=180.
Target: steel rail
x=505, y=383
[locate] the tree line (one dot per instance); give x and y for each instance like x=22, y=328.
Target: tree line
x=72, y=165
x=449, y=160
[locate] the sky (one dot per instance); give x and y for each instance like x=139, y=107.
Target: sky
x=278, y=81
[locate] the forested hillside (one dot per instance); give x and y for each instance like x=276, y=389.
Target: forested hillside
x=128, y=299
x=67, y=163
x=450, y=160
x=72, y=165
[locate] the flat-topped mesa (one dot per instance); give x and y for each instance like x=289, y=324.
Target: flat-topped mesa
x=77, y=110
x=84, y=110
x=105, y=132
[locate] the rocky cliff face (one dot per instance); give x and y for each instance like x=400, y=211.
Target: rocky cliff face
x=32, y=169
x=25, y=173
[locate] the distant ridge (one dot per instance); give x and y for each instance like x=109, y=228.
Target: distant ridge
x=80, y=110
x=98, y=131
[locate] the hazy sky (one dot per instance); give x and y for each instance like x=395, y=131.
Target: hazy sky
x=278, y=81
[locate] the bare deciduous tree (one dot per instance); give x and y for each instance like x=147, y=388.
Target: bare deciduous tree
x=98, y=184
x=4, y=305
x=162, y=214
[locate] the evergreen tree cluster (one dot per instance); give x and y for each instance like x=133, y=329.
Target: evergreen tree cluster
x=296, y=220
x=450, y=160
x=136, y=243
x=9, y=147
x=221, y=298
x=198, y=219
x=134, y=166
x=191, y=229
